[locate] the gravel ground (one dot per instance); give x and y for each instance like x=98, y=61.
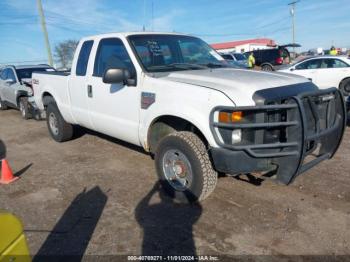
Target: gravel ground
x=99, y=196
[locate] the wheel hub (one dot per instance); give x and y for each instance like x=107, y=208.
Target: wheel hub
x=53, y=123
x=180, y=169
x=177, y=169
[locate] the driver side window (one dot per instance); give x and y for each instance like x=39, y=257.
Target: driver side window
x=4, y=74
x=112, y=53
x=11, y=75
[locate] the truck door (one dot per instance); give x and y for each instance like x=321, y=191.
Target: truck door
x=114, y=108
x=79, y=88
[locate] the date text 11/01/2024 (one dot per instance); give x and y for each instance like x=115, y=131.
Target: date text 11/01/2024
x=173, y=258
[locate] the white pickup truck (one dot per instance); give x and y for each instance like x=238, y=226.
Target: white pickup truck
x=175, y=96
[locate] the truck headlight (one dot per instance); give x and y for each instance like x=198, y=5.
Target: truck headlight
x=230, y=117
x=236, y=136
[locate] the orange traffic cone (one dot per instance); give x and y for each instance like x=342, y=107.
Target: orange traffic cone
x=7, y=176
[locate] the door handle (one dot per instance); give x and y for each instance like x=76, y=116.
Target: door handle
x=89, y=90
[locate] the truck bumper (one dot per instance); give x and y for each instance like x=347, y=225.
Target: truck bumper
x=290, y=135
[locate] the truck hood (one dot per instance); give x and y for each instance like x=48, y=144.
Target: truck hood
x=238, y=84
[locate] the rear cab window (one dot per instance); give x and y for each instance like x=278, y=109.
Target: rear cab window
x=83, y=58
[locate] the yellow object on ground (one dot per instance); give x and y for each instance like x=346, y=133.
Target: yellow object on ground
x=13, y=244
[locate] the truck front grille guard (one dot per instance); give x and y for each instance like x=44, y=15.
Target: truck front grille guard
x=301, y=131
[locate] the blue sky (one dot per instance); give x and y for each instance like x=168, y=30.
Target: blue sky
x=319, y=23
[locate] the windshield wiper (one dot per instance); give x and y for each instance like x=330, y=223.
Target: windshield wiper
x=186, y=65
x=180, y=66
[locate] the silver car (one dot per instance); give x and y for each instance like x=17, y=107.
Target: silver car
x=16, y=87
x=236, y=59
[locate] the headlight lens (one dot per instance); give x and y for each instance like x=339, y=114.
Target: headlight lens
x=230, y=117
x=236, y=136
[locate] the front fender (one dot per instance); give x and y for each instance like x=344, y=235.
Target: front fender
x=197, y=112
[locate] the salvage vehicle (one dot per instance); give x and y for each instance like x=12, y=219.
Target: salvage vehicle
x=324, y=71
x=272, y=58
x=236, y=59
x=16, y=87
x=176, y=97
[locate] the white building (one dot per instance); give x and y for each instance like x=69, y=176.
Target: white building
x=244, y=45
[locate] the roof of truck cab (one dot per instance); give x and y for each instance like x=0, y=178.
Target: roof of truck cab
x=126, y=34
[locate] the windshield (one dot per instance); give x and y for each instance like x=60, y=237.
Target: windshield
x=160, y=53
x=27, y=72
x=240, y=57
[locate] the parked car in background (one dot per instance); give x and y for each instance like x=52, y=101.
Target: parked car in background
x=324, y=71
x=16, y=86
x=174, y=96
x=271, y=59
x=236, y=59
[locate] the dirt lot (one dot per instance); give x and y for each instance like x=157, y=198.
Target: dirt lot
x=96, y=195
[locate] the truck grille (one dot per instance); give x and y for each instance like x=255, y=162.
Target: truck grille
x=288, y=130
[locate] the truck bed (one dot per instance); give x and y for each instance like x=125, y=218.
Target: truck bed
x=54, y=84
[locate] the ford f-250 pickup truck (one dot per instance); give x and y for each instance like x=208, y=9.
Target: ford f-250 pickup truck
x=177, y=98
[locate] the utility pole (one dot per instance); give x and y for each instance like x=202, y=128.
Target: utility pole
x=144, y=16
x=292, y=13
x=152, y=16
x=46, y=36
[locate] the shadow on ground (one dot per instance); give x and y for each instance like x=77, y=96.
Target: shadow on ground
x=82, y=131
x=71, y=235
x=167, y=226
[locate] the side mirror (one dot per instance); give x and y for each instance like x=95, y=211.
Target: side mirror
x=9, y=81
x=115, y=76
x=292, y=69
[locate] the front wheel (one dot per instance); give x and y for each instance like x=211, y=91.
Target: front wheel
x=23, y=107
x=59, y=129
x=184, y=168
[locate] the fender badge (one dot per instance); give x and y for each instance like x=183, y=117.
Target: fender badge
x=147, y=99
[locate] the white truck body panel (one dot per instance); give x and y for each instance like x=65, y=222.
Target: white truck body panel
x=115, y=109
